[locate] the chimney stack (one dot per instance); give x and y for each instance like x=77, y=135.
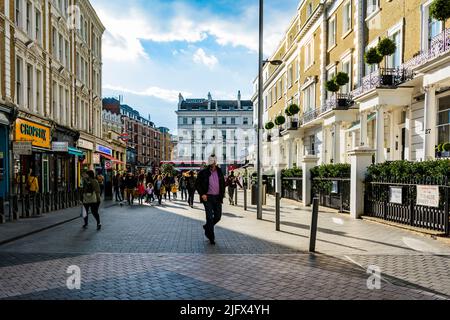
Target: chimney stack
x=239, y=100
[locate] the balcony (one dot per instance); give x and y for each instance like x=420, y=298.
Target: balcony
x=310, y=116
x=340, y=101
x=439, y=45
x=387, y=78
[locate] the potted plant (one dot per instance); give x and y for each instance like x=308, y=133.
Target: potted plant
x=333, y=85
x=293, y=110
x=440, y=10
x=446, y=149
x=386, y=47
x=269, y=126
x=279, y=121
x=372, y=56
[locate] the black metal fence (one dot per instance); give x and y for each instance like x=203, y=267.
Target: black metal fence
x=34, y=205
x=332, y=192
x=292, y=188
x=271, y=185
x=396, y=201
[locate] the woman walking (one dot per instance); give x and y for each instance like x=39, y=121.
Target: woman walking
x=159, y=189
x=91, y=198
x=183, y=188
x=190, y=184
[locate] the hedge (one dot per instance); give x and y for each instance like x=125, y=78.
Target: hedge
x=327, y=171
x=399, y=170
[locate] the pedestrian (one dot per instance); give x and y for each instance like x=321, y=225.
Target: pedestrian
x=101, y=182
x=190, y=185
x=232, y=183
x=91, y=198
x=122, y=180
x=211, y=188
x=117, y=181
x=141, y=191
x=32, y=183
x=149, y=179
x=167, y=188
x=183, y=188
x=159, y=189
x=174, y=188
x=130, y=185
x=150, y=192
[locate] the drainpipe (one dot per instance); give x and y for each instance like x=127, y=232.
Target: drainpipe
x=361, y=36
x=323, y=58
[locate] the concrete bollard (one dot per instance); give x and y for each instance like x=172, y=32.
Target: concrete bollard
x=277, y=211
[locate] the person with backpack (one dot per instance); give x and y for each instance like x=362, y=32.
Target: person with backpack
x=183, y=188
x=91, y=198
x=190, y=185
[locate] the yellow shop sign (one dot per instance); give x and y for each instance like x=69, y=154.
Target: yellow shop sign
x=29, y=131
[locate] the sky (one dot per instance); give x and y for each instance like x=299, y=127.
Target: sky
x=155, y=49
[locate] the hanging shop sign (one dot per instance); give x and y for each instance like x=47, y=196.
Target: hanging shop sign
x=96, y=158
x=103, y=149
x=108, y=165
x=60, y=146
x=39, y=135
x=396, y=195
x=428, y=196
x=22, y=148
x=85, y=144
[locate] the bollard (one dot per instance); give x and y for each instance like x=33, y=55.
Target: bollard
x=38, y=204
x=15, y=207
x=27, y=206
x=277, y=211
x=2, y=210
x=313, y=229
x=245, y=199
x=235, y=196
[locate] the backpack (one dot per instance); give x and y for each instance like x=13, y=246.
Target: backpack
x=89, y=195
x=191, y=183
x=88, y=186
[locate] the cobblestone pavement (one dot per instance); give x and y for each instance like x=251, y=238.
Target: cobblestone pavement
x=160, y=253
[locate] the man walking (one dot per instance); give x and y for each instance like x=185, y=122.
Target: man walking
x=232, y=183
x=211, y=188
x=190, y=185
x=91, y=198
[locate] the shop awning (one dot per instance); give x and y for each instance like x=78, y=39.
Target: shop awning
x=357, y=124
x=111, y=158
x=75, y=152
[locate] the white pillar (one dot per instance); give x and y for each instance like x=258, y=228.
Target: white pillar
x=308, y=163
x=408, y=126
x=380, y=136
x=278, y=179
x=430, y=123
x=289, y=153
x=337, y=143
x=299, y=152
x=363, y=130
x=360, y=159
x=353, y=139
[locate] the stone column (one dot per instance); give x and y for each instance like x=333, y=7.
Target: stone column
x=360, y=159
x=289, y=153
x=363, y=130
x=430, y=123
x=308, y=163
x=337, y=143
x=408, y=127
x=380, y=135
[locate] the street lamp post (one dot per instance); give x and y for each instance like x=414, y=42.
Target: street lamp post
x=260, y=110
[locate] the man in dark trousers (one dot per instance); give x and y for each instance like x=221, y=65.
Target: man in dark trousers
x=210, y=186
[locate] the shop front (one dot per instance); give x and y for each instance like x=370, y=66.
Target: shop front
x=32, y=152
x=86, y=162
x=104, y=166
x=7, y=117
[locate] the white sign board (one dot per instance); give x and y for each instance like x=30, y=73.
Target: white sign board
x=23, y=148
x=60, y=146
x=395, y=195
x=335, y=187
x=294, y=185
x=96, y=158
x=428, y=196
x=85, y=144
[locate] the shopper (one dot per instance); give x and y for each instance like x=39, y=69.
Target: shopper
x=91, y=198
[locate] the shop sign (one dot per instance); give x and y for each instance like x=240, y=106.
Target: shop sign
x=22, y=148
x=104, y=150
x=29, y=131
x=395, y=195
x=108, y=165
x=428, y=196
x=96, y=158
x=85, y=144
x=60, y=146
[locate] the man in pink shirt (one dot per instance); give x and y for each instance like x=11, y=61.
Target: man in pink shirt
x=210, y=186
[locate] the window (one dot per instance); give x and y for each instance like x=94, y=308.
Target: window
x=18, y=13
x=330, y=75
x=312, y=144
x=331, y=32
x=347, y=16
x=224, y=153
x=309, y=54
x=38, y=27
x=39, y=92
x=67, y=57
x=347, y=68
x=309, y=9
x=372, y=6
x=30, y=87
x=297, y=66
x=290, y=79
x=224, y=134
x=265, y=102
x=185, y=120
x=374, y=67
x=444, y=120
x=275, y=96
x=280, y=88
x=19, y=81
x=309, y=98
x=61, y=48
x=395, y=60
x=233, y=120
x=203, y=121
x=62, y=115
x=68, y=114
x=193, y=121
x=224, y=120
x=270, y=98
x=245, y=121
x=29, y=27
x=54, y=42
x=54, y=101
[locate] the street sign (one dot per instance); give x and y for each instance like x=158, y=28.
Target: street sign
x=108, y=165
x=22, y=148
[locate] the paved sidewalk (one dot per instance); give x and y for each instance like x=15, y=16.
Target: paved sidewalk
x=11, y=231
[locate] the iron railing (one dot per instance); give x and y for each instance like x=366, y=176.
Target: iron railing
x=292, y=188
x=405, y=210
x=332, y=192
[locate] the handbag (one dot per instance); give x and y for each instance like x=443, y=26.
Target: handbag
x=89, y=198
x=83, y=212
x=174, y=189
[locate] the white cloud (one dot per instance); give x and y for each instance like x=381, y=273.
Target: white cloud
x=201, y=57
x=156, y=92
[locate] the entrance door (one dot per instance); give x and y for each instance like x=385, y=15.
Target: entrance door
x=45, y=174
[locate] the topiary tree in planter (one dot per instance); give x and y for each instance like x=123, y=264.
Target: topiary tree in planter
x=291, y=111
x=440, y=10
x=269, y=126
x=333, y=85
x=372, y=57
x=386, y=47
x=445, y=149
x=279, y=121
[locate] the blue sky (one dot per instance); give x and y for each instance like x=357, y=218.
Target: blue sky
x=154, y=49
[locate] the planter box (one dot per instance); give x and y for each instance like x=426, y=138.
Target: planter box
x=387, y=79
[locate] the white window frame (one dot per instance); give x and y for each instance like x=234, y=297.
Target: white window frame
x=425, y=12
x=29, y=19
x=391, y=32
x=19, y=81
x=18, y=13
x=309, y=53
x=331, y=72
x=331, y=40
x=347, y=60
x=374, y=11
x=38, y=26
x=308, y=89
x=347, y=21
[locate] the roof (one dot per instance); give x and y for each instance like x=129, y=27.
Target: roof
x=202, y=104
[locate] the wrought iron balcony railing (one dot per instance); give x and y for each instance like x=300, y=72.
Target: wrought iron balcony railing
x=310, y=115
x=340, y=101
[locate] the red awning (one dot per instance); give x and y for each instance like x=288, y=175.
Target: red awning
x=111, y=158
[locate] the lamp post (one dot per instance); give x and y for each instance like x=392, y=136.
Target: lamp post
x=261, y=64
